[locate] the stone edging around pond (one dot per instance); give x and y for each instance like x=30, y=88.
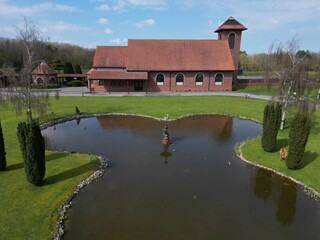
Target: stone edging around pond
x=310, y=192
x=68, y=204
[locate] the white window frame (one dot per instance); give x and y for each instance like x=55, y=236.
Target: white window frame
x=180, y=83
x=218, y=83
x=160, y=83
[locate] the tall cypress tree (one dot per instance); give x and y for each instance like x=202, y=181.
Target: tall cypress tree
x=3, y=162
x=33, y=151
x=298, y=138
x=270, y=128
x=278, y=116
x=77, y=69
x=68, y=69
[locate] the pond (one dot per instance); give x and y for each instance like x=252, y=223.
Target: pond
x=194, y=189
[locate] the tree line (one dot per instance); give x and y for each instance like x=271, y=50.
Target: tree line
x=11, y=54
x=260, y=62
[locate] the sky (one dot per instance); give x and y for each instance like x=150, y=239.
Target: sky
x=90, y=23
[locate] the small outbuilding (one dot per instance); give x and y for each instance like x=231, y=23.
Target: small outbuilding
x=44, y=74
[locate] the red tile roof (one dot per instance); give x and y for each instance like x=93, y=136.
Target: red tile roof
x=231, y=24
x=110, y=56
x=179, y=55
x=43, y=69
x=116, y=74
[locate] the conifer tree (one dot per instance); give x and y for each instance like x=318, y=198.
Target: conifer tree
x=270, y=131
x=3, y=162
x=298, y=138
x=77, y=69
x=33, y=151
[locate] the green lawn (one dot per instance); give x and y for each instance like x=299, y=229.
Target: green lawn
x=273, y=90
x=263, y=90
x=29, y=212
x=310, y=165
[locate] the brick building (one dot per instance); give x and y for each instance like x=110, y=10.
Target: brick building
x=169, y=65
x=44, y=74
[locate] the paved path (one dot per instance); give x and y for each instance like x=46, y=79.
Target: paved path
x=83, y=91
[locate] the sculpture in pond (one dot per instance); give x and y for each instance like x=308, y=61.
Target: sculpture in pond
x=166, y=138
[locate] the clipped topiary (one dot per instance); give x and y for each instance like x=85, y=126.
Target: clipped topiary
x=3, y=162
x=298, y=138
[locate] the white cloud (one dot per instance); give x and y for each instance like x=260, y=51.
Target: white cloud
x=118, y=41
x=273, y=21
x=144, y=23
x=149, y=4
x=118, y=5
x=60, y=26
x=31, y=10
x=103, y=7
x=108, y=31
x=64, y=8
x=103, y=21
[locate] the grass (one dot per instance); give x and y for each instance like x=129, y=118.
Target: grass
x=29, y=212
x=262, y=90
x=310, y=165
x=254, y=73
x=273, y=90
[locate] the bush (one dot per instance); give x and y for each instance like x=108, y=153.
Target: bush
x=3, y=162
x=45, y=86
x=76, y=83
x=298, y=138
x=33, y=151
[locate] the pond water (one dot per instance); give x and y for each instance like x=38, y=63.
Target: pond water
x=195, y=189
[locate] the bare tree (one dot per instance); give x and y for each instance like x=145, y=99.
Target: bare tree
x=290, y=70
x=19, y=89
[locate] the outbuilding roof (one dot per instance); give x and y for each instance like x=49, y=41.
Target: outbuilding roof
x=43, y=69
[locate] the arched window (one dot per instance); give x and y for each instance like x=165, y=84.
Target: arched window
x=231, y=40
x=179, y=79
x=160, y=79
x=199, y=79
x=39, y=80
x=218, y=79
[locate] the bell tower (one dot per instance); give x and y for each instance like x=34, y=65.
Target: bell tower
x=231, y=30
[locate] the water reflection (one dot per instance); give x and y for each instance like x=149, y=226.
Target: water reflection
x=284, y=196
x=262, y=185
x=287, y=208
x=166, y=153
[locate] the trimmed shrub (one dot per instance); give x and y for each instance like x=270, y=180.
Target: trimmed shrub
x=270, y=125
x=298, y=138
x=3, y=162
x=33, y=151
x=45, y=86
x=76, y=83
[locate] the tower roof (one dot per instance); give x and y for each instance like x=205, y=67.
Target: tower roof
x=231, y=24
